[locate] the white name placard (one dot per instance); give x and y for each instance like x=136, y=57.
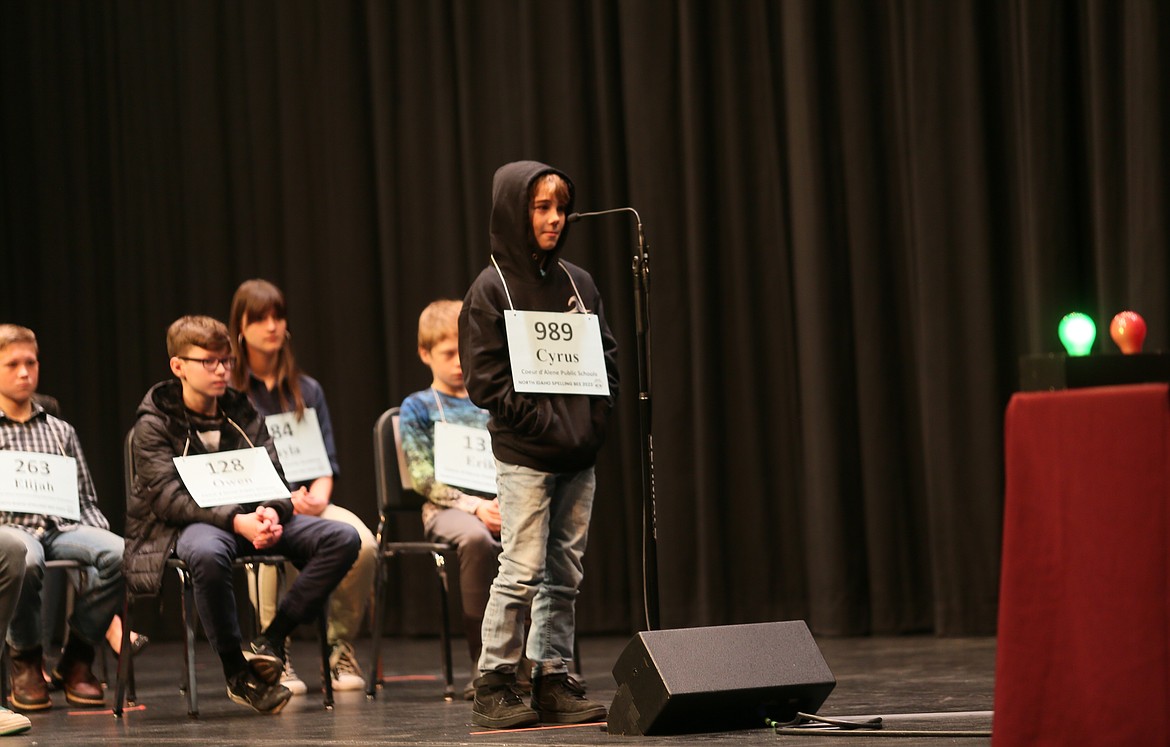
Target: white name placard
x=463, y=457
x=299, y=445
x=35, y=483
x=554, y=353
x=230, y=477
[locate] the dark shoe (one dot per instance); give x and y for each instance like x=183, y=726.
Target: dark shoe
x=138, y=642
x=74, y=675
x=30, y=692
x=524, y=675
x=265, y=659
x=579, y=679
x=246, y=688
x=499, y=704
x=560, y=700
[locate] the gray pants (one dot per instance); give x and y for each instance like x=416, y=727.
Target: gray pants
x=478, y=554
x=101, y=595
x=12, y=565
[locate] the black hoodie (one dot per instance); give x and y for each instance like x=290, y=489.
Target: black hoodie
x=546, y=432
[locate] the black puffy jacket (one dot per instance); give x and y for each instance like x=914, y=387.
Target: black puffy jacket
x=160, y=506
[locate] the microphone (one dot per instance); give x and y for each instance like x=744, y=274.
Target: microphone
x=641, y=269
x=574, y=217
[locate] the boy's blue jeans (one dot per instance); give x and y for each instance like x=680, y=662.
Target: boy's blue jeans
x=101, y=591
x=324, y=551
x=545, y=528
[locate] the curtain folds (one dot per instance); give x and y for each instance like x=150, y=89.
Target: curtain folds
x=860, y=215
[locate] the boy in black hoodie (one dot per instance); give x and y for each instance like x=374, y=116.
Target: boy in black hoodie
x=520, y=340
x=197, y=414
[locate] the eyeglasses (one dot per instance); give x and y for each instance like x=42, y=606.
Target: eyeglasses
x=211, y=364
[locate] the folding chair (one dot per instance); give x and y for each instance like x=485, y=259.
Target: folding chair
x=125, y=692
x=397, y=499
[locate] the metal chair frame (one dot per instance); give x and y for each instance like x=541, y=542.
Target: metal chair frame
x=397, y=497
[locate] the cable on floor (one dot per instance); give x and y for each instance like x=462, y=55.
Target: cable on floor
x=807, y=724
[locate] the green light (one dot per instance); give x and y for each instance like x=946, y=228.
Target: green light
x=1077, y=333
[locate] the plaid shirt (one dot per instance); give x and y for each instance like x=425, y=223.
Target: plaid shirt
x=46, y=434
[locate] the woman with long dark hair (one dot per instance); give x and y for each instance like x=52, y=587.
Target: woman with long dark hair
x=266, y=370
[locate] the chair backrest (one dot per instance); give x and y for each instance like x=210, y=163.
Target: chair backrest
x=395, y=489
x=49, y=403
x=128, y=463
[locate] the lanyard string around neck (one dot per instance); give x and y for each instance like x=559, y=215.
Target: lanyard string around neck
x=439, y=404
x=251, y=445
x=57, y=437
x=576, y=292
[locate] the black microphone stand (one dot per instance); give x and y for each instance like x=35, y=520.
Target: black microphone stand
x=641, y=270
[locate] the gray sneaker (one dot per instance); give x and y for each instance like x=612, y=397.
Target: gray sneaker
x=344, y=669
x=560, y=700
x=499, y=704
x=290, y=679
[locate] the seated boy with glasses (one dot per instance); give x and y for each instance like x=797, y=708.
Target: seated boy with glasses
x=197, y=414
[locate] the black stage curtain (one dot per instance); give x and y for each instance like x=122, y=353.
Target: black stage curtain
x=860, y=214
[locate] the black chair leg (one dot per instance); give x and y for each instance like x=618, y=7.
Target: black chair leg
x=252, y=572
x=123, y=659
x=131, y=683
x=101, y=651
x=445, y=630
x=326, y=651
x=5, y=663
x=190, y=616
x=374, y=679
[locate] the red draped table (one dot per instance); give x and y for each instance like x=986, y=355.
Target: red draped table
x=1084, y=608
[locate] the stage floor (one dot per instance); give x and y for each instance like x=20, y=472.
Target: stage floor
x=914, y=683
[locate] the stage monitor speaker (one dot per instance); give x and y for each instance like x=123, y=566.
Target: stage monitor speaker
x=717, y=678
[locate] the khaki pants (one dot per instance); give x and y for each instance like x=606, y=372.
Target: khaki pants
x=349, y=600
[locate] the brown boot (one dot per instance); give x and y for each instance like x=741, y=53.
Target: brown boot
x=74, y=674
x=29, y=690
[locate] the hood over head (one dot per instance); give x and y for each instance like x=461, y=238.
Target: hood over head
x=513, y=244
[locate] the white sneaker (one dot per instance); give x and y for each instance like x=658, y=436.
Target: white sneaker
x=290, y=679
x=13, y=723
x=344, y=669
